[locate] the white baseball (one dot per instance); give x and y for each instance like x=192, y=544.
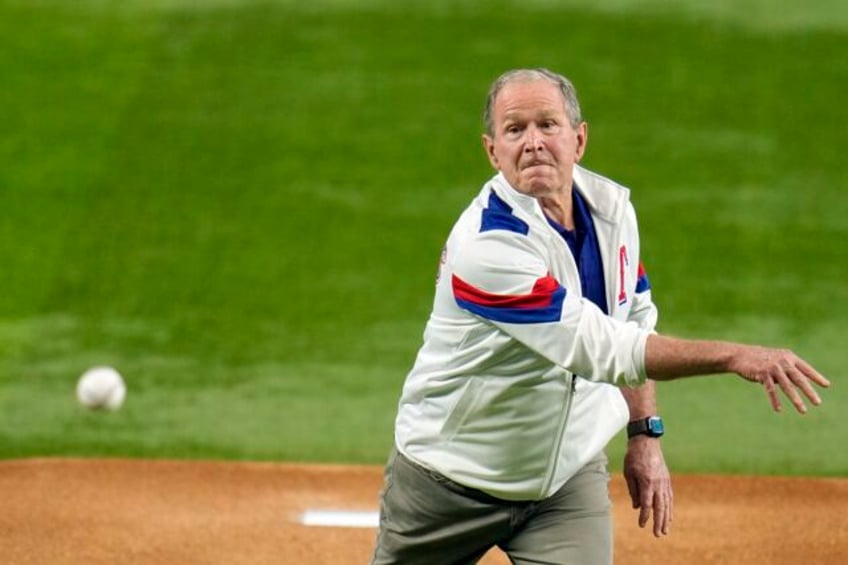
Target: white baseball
x=101, y=387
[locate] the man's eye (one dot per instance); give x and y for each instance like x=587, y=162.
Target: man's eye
x=513, y=129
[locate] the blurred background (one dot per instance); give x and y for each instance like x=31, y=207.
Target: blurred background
x=240, y=205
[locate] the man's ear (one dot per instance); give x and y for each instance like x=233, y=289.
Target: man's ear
x=582, y=140
x=489, y=147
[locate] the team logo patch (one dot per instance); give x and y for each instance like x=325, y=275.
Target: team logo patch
x=642, y=282
x=623, y=263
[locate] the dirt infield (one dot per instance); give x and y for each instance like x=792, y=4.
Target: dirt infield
x=93, y=512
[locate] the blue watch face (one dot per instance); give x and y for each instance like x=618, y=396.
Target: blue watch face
x=655, y=426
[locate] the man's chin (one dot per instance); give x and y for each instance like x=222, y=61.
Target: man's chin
x=538, y=184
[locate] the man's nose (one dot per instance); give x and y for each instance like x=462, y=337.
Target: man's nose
x=534, y=140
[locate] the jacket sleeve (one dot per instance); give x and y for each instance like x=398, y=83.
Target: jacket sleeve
x=501, y=278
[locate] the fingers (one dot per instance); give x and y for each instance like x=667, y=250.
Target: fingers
x=646, y=504
x=663, y=507
x=803, y=383
x=787, y=385
x=660, y=503
x=791, y=376
x=771, y=391
x=791, y=380
x=670, y=506
x=812, y=374
x=633, y=489
x=659, y=514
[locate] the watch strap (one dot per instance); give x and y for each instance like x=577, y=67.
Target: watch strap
x=651, y=426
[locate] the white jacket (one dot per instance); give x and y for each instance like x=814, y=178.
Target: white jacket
x=493, y=401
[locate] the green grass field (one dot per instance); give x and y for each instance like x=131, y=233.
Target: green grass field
x=240, y=205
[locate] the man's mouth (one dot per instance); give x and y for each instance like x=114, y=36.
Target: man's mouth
x=535, y=164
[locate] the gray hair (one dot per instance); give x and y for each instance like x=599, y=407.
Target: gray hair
x=569, y=93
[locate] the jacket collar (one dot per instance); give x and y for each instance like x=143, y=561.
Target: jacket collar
x=606, y=199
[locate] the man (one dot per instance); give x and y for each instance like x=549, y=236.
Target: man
x=538, y=351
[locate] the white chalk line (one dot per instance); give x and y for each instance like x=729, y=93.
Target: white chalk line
x=340, y=519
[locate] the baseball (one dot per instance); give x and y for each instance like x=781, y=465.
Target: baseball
x=101, y=388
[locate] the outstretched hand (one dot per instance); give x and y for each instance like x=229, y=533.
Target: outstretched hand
x=649, y=483
x=779, y=369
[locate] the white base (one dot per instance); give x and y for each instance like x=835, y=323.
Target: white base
x=340, y=519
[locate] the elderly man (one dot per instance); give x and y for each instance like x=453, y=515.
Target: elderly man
x=539, y=349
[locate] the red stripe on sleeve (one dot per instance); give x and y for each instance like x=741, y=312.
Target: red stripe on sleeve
x=539, y=297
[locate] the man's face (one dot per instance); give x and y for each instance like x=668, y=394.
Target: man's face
x=534, y=144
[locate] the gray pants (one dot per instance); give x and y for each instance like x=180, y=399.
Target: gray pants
x=426, y=518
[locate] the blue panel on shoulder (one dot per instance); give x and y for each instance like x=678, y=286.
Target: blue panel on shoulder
x=499, y=216
x=642, y=283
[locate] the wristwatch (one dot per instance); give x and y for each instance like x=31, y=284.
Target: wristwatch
x=651, y=427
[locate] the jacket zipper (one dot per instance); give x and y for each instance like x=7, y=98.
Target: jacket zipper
x=552, y=464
